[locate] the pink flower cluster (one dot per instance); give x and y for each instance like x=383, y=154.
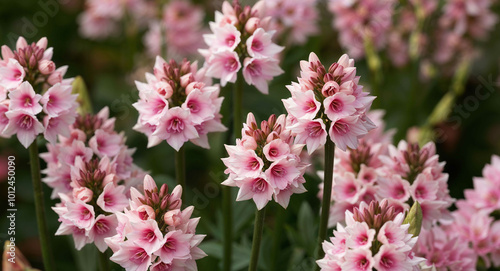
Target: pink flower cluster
x=445, y=250
x=374, y=238
x=241, y=38
x=265, y=163
x=359, y=20
x=153, y=233
x=180, y=30
x=328, y=103
x=474, y=221
x=462, y=23
x=378, y=170
x=296, y=18
x=102, y=18
x=91, y=171
x=34, y=97
x=178, y=103
x=90, y=136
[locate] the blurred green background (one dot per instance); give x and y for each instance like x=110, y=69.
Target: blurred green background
x=109, y=69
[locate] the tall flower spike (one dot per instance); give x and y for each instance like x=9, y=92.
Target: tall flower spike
x=91, y=171
x=153, y=232
x=178, y=104
x=374, y=238
x=240, y=39
x=265, y=163
x=328, y=102
x=34, y=97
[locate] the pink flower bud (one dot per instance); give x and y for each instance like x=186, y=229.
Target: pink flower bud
x=252, y=24
x=146, y=212
x=173, y=218
x=83, y=193
x=42, y=43
x=249, y=143
x=164, y=89
x=54, y=78
x=185, y=80
x=46, y=67
x=194, y=85
x=330, y=88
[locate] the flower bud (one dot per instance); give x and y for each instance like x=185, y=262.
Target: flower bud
x=194, y=85
x=330, y=88
x=42, y=43
x=252, y=25
x=146, y=212
x=164, y=89
x=186, y=79
x=173, y=218
x=46, y=67
x=54, y=78
x=83, y=193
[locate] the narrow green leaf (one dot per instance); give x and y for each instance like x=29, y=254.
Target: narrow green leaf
x=414, y=218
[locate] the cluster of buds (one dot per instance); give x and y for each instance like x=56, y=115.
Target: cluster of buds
x=265, y=162
x=328, y=102
x=179, y=30
x=34, y=98
x=153, y=233
x=295, y=18
x=178, y=104
x=362, y=21
x=375, y=237
x=240, y=35
x=90, y=137
x=91, y=171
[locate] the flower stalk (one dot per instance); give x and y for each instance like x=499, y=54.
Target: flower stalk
x=327, y=195
x=257, y=238
x=180, y=167
x=39, y=207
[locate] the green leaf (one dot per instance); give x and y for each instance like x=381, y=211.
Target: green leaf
x=414, y=218
x=79, y=87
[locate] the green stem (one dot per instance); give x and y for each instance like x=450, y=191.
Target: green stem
x=278, y=230
x=39, y=207
x=103, y=261
x=180, y=167
x=237, y=106
x=257, y=238
x=327, y=195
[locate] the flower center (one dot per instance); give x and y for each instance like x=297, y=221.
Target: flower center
x=259, y=185
x=231, y=65
x=26, y=122
x=257, y=45
x=176, y=125
x=101, y=227
x=314, y=129
x=336, y=105
x=139, y=256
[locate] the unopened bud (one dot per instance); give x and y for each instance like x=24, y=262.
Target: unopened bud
x=46, y=67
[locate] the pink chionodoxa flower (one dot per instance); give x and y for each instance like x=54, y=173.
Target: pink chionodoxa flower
x=178, y=103
x=374, y=238
x=241, y=39
x=329, y=102
x=37, y=98
x=265, y=163
x=147, y=238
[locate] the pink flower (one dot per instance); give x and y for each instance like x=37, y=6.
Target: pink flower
x=389, y=258
x=24, y=125
x=176, y=127
x=258, y=189
x=244, y=163
x=104, y=226
x=58, y=99
x=80, y=214
x=147, y=235
x=339, y=105
x=346, y=188
x=281, y=173
x=346, y=131
x=224, y=64
x=258, y=71
x=223, y=37
x=132, y=257
x=358, y=260
x=58, y=125
x=11, y=75
x=105, y=144
x=200, y=105
x=276, y=150
x=361, y=237
x=175, y=246
x=303, y=104
x=394, y=187
x=112, y=199
x=260, y=45
x=310, y=132
x=25, y=99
